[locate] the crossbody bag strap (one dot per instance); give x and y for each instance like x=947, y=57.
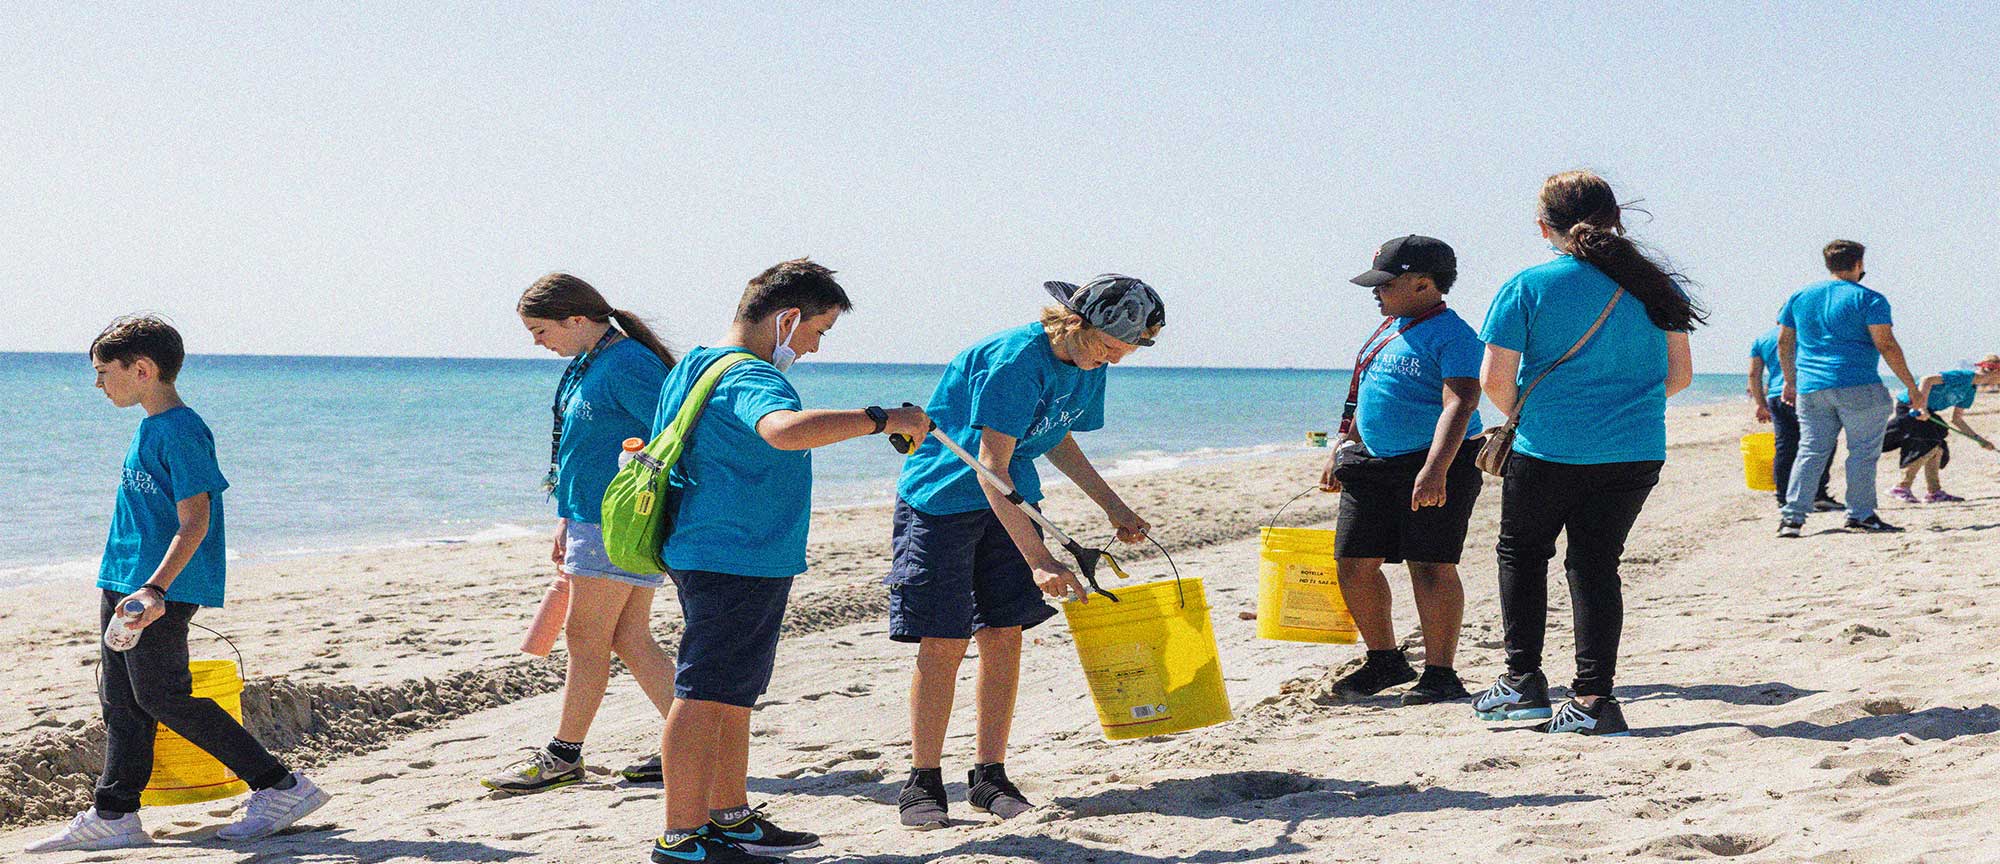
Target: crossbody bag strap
x=1514, y=416
x=696, y=399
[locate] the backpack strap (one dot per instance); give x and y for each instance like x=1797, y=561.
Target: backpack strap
x=1514, y=416
x=691, y=405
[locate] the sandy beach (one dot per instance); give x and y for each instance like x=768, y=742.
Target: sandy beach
x=1828, y=699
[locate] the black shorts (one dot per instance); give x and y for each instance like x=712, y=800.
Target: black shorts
x=958, y=573
x=1916, y=438
x=1375, y=517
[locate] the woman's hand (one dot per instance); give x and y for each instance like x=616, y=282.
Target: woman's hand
x=561, y=547
x=1327, y=481
x=156, y=605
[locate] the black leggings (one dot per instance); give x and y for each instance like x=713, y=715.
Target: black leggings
x=1597, y=505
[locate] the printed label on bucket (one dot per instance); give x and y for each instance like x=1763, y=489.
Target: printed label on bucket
x=1310, y=599
x=1127, y=681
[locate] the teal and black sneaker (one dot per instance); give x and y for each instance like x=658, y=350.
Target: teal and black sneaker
x=756, y=834
x=1604, y=718
x=1522, y=696
x=700, y=847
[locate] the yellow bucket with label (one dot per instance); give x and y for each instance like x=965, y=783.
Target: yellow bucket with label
x=1150, y=659
x=182, y=772
x=1760, y=449
x=1298, y=588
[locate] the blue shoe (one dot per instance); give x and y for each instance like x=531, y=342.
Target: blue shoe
x=699, y=848
x=1515, y=697
x=1604, y=719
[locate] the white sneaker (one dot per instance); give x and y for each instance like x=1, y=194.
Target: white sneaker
x=91, y=831
x=273, y=810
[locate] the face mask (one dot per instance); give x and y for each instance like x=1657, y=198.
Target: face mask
x=783, y=356
x=1860, y=276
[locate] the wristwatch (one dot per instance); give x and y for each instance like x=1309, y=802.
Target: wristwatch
x=880, y=417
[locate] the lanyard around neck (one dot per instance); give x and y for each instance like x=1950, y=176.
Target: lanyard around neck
x=1364, y=360
x=571, y=380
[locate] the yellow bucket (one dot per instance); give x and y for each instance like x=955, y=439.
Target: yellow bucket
x=1759, y=450
x=1150, y=660
x=1298, y=588
x=182, y=772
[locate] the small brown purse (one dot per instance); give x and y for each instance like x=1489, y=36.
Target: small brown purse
x=1499, y=445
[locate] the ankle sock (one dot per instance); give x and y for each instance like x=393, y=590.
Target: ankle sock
x=109, y=815
x=1387, y=657
x=568, y=751
x=730, y=816
x=985, y=770
x=291, y=781
x=928, y=778
x=670, y=838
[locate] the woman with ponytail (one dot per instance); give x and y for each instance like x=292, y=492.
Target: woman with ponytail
x=1608, y=327
x=609, y=393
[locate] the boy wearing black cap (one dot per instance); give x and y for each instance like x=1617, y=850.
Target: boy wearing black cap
x=1404, y=470
x=971, y=567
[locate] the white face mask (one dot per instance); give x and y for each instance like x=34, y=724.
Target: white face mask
x=783, y=356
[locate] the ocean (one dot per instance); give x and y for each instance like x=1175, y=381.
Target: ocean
x=328, y=454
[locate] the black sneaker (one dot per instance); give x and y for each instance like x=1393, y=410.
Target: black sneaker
x=644, y=772
x=1438, y=684
x=1604, y=719
x=1827, y=504
x=922, y=802
x=1789, y=527
x=1384, y=669
x=991, y=792
x=1872, y=525
x=756, y=834
x=1515, y=697
x=700, y=847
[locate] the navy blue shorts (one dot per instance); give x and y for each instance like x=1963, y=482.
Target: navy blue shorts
x=730, y=638
x=955, y=574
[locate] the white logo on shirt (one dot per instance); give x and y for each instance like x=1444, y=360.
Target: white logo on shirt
x=1052, y=418
x=139, y=481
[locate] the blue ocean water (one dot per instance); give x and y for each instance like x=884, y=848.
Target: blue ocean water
x=327, y=453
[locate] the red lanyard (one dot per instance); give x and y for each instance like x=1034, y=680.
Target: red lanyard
x=1361, y=363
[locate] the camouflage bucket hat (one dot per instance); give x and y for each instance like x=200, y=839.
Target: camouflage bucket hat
x=1119, y=305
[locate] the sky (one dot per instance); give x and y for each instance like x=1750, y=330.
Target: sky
x=386, y=178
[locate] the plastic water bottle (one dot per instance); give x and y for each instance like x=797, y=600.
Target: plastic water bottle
x=632, y=448
x=119, y=637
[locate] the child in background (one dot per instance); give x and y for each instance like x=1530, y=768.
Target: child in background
x=165, y=552
x=1924, y=444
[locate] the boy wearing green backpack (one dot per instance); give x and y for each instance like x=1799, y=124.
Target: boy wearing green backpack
x=738, y=537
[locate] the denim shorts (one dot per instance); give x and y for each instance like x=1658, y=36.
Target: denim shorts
x=956, y=573
x=584, y=555
x=730, y=639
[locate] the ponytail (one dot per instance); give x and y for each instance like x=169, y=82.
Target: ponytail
x=1581, y=208
x=635, y=327
x=559, y=295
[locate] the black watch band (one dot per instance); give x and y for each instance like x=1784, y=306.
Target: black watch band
x=880, y=417
x=156, y=589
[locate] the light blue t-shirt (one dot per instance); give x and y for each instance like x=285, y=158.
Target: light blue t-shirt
x=616, y=400
x=744, y=504
x=1766, y=349
x=172, y=459
x=1402, y=392
x=1955, y=391
x=1012, y=383
x=1609, y=402
x=1832, y=319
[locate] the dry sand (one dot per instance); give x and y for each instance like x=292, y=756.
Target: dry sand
x=1826, y=699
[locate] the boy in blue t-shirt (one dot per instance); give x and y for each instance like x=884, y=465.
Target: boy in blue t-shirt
x=969, y=566
x=165, y=554
x=1924, y=445
x=1767, y=386
x=1406, y=477
x=745, y=499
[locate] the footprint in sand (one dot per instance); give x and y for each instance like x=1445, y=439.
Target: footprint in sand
x=377, y=778
x=1685, y=846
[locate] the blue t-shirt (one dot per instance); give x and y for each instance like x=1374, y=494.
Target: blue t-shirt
x=1832, y=319
x=1955, y=391
x=172, y=459
x=1012, y=383
x=744, y=504
x=1766, y=349
x=1402, y=393
x=616, y=400
x=1609, y=402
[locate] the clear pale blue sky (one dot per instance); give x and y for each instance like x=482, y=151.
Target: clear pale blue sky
x=386, y=178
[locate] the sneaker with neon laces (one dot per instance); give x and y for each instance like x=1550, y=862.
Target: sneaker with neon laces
x=648, y=771
x=1939, y=496
x=273, y=810
x=991, y=792
x=757, y=834
x=1516, y=696
x=537, y=773
x=91, y=832
x=1903, y=494
x=1603, y=718
x=706, y=849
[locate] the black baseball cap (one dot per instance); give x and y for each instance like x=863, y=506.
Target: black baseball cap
x=1412, y=254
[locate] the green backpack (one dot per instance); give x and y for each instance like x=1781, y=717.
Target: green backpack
x=638, y=515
